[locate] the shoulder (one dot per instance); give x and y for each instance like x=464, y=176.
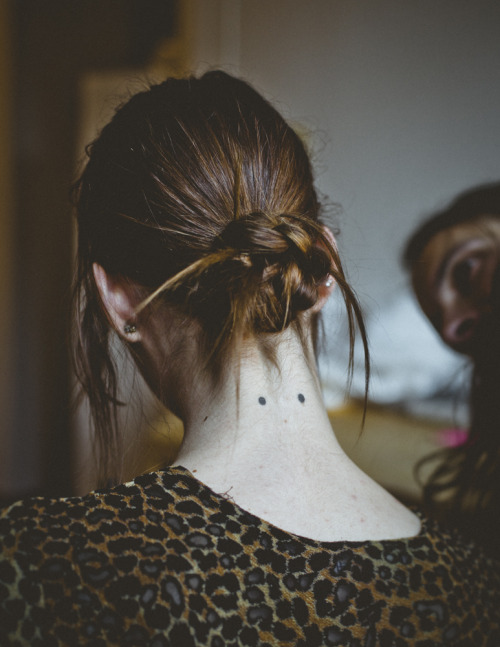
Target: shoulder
x=110, y=510
x=449, y=563
x=167, y=507
x=434, y=585
x=97, y=537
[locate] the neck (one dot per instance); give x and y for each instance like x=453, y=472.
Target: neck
x=264, y=439
x=265, y=422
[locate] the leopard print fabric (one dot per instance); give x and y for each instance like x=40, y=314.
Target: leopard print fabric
x=164, y=560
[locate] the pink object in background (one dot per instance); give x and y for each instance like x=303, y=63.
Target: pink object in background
x=452, y=437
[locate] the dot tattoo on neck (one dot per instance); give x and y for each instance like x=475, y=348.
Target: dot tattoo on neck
x=301, y=398
x=262, y=400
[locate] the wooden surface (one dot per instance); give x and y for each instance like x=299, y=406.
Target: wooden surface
x=390, y=446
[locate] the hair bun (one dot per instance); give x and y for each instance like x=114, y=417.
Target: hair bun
x=281, y=264
x=255, y=233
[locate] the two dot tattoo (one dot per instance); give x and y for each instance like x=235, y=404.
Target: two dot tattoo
x=300, y=398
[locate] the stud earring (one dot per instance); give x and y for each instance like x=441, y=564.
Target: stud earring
x=129, y=329
x=329, y=282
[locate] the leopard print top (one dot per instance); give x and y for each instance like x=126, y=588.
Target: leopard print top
x=164, y=560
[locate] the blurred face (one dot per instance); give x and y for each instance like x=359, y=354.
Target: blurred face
x=454, y=280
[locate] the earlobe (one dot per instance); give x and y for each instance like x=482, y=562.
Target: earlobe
x=324, y=291
x=120, y=300
x=328, y=284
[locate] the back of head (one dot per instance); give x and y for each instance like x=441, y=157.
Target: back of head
x=467, y=477
x=200, y=192
x=205, y=169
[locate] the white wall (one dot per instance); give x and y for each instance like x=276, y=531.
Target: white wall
x=403, y=97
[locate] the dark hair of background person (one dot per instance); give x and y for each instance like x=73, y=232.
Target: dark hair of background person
x=200, y=192
x=467, y=477
x=481, y=200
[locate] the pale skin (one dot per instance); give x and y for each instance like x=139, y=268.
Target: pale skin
x=280, y=459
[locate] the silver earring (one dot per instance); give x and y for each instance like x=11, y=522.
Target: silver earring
x=129, y=329
x=329, y=282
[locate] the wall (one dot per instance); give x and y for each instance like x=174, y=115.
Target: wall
x=6, y=207
x=401, y=98
x=52, y=45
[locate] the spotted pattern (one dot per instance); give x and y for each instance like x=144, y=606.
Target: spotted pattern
x=164, y=560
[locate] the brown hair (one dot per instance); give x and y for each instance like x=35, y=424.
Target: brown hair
x=198, y=190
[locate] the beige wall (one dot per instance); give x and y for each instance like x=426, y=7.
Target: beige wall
x=6, y=208
x=215, y=29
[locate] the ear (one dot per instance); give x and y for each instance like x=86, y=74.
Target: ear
x=120, y=298
x=328, y=285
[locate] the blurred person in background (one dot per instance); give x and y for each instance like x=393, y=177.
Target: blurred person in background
x=454, y=261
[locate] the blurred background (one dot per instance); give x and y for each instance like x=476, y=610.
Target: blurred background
x=399, y=105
